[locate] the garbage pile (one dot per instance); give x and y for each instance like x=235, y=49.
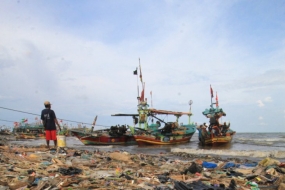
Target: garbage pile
x=67, y=168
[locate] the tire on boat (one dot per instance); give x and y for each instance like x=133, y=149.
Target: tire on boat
x=166, y=139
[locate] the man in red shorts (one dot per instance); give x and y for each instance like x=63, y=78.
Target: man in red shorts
x=49, y=120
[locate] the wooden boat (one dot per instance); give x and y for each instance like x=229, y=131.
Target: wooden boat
x=152, y=134
x=145, y=133
x=115, y=135
x=29, y=131
x=171, y=133
x=5, y=132
x=103, y=137
x=224, y=139
x=216, y=133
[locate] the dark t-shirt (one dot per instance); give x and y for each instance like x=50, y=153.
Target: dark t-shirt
x=213, y=121
x=50, y=118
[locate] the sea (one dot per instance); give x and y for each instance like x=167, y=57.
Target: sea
x=244, y=145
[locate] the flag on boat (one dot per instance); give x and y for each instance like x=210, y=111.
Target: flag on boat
x=217, y=101
x=151, y=93
x=24, y=120
x=16, y=124
x=136, y=71
x=211, y=90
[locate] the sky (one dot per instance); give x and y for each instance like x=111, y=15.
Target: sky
x=80, y=55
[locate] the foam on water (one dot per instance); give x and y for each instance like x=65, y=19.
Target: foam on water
x=262, y=139
x=238, y=153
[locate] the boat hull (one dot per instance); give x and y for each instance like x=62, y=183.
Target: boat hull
x=29, y=132
x=30, y=136
x=217, y=140
x=105, y=139
x=162, y=140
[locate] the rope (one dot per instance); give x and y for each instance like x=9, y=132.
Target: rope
x=40, y=115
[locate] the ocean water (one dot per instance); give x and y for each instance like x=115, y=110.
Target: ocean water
x=254, y=145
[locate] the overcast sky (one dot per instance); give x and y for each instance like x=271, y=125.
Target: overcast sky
x=80, y=55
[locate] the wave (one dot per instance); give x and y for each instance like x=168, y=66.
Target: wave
x=260, y=143
x=262, y=139
x=238, y=153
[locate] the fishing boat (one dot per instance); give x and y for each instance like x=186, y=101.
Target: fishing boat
x=5, y=132
x=155, y=134
x=115, y=135
x=144, y=133
x=29, y=131
x=216, y=133
x=150, y=133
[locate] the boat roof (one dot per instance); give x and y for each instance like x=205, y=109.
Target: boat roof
x=123, y=114
x=156, y=111
x=214, y=111
x=166, y=112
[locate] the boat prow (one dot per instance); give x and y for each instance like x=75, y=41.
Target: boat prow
x=115, y=135
x=218, y=140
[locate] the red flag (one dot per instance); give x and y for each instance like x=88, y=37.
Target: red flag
x=16, y=124
x=26, y=120
x=211, y=90
x=217, y=101
x=151, y=93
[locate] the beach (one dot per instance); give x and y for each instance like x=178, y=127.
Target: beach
x=95, y=167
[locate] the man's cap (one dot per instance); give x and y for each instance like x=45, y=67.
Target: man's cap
x=47, y=103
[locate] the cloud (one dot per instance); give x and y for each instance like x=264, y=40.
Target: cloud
x=266, y=79
x=260, y=118
x=260, y=103
x=268, y=99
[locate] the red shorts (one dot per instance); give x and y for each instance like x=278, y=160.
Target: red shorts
x=51, y=135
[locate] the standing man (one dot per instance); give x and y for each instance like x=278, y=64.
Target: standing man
x=49, y=120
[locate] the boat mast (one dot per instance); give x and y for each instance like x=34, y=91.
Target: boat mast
x=138, y=98
x=212, y=95
x=93, y=124
x=189, y=115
